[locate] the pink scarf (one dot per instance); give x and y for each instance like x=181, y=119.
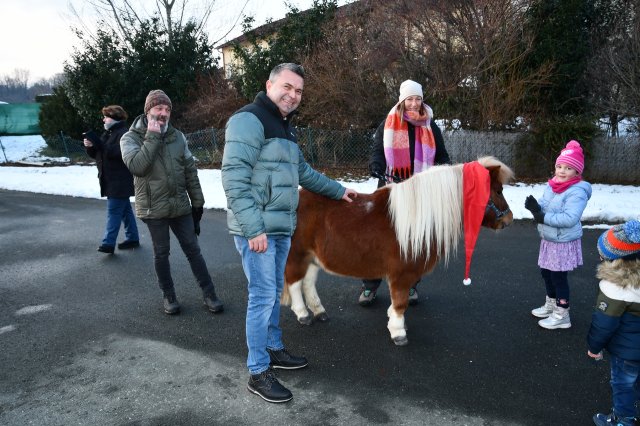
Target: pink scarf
x=396, y=142
x=560, y=187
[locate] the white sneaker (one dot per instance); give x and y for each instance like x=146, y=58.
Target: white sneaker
x=558, y=319
x=545, y=310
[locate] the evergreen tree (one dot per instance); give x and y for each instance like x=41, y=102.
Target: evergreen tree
x=563, y=31
x=107, y=70
x=57, y=114
x=292, y=41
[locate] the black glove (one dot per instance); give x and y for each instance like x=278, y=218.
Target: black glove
x=378, y=175
x=385, y=177
x=538, y=217
x=196, y=213
x=532, y=205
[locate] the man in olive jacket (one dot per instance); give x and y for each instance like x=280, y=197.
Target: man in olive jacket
x=262, y=167
x=168, y=195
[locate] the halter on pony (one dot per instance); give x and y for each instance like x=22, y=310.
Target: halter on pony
x=499, y=213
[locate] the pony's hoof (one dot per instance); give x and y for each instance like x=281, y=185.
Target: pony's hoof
x=401, y=340
x=305, y=320
x=321, y=317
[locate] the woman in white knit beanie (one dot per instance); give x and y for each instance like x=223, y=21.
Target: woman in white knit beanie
x=407, y=141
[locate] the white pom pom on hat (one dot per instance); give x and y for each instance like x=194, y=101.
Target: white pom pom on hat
x=476, y=185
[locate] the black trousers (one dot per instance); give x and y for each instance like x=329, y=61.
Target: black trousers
x=183, y=228
x=374, y=284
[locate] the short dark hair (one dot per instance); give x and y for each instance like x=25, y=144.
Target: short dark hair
x=116, y=112
x=286, y=66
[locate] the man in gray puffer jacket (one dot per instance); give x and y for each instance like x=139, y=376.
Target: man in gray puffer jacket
x=262, y=167
x=168, y=195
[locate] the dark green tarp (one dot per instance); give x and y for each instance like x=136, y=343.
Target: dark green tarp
x=19, y=119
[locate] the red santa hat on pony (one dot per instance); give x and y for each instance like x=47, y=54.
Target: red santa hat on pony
x=476, y=186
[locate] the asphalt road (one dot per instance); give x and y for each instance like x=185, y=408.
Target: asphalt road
x=83, y=339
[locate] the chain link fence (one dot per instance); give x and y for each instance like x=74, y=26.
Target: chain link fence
x=64, y=145
x=207, y=146
x=615, y=160
x=342, y=152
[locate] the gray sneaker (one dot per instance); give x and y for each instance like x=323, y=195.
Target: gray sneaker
x=559, y=318
x=366, y=297
x=545, y=310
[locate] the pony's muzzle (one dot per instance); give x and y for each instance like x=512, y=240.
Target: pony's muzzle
x=506, y=220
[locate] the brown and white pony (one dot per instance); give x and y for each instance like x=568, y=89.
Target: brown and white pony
x=398, y=233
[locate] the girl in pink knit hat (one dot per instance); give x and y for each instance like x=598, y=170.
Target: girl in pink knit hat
x=558, y=215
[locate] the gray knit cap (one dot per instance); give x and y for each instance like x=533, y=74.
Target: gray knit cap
x=154, y=98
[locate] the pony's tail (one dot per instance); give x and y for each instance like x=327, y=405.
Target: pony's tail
x=285, y=297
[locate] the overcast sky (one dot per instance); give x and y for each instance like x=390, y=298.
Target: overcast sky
x=36, y=34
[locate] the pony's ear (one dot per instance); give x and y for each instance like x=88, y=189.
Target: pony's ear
x=494, y=173
x=502, y=174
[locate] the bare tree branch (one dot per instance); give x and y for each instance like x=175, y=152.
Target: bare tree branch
x=468, y=53
x=234, y=24
x=122, y=15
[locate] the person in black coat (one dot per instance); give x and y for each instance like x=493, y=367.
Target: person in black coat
x=116, y=182
x=407, y=141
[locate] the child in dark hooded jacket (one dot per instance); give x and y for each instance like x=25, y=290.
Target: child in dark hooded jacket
x=615, y=324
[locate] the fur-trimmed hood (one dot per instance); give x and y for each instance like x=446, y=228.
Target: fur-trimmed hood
x=624, y=273
x=620, y=280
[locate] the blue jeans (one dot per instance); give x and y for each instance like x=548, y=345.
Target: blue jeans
x=184, y=231
x=119, y=210
x=625, y=386
x=265, y=273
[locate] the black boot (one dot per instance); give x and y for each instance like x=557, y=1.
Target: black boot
x=267, y=387
x=106, y=249
x=283, y=359
x=212, y=302
x=171, y=305
x=128, y=244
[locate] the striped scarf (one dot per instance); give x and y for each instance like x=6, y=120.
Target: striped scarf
x=395, y=141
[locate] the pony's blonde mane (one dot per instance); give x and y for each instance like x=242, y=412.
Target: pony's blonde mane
x=505, y=175
x=426, y=209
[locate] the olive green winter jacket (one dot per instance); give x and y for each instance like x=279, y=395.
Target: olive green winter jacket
x=164, y=172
